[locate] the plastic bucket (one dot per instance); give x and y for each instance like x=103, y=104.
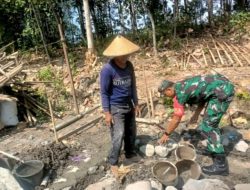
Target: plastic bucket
x=188, y=169
x=29, y=174
x=185, y=151
x=166, y=173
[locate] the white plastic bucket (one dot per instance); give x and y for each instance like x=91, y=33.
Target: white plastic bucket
x=8, y=113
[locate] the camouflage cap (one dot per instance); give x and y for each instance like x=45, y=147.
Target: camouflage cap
x=164, y=85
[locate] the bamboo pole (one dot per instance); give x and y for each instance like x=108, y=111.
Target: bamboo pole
x=187, y=62
x=196, y=59
x=146, y=90
x=212, y=55
x=53, y=121
x=151, y=103
x=63, y=41
x=204, y=57
x=237, y=49
x=235, y=56
x=226, y=53
x=218, y=52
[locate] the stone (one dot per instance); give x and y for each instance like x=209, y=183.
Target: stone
x=245, y=134
x=242, y=186
x=7, y=180
x=204, y=143
x=156, y=185
x=170, y=188
x=104, y=184
x=241, y=146
x=148, y=150
x=92, y=170
x=205, y=184
x=145, y=185
x=162, y=151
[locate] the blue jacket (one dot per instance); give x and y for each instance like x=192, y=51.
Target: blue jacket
x=118, y=86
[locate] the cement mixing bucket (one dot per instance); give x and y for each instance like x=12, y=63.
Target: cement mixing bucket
x=185, y=151
x=187, y=169
x=29, y=174
x=166, y=173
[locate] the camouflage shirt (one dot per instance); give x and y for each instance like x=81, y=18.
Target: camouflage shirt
x=201, y=88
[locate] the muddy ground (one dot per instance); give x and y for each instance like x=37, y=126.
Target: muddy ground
x=88, y=148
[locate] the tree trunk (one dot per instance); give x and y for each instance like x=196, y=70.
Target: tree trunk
x=120, y=9
x=185, y=5
x=133, y=16
x=90, y=39
x=175, y=16
x=110, y=19
x=81, y=19
x=65, y=51
x=153, y=26
x=40, y=31
x=165, y=9
x=210, y=12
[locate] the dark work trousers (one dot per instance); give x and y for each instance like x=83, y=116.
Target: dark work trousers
x=123, y=128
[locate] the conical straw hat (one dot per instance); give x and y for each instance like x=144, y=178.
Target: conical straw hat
x=120, y=46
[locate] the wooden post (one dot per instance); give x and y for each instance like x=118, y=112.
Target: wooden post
x=146, y=90
x=52, y=120
x=151, y=103
x=67, y=63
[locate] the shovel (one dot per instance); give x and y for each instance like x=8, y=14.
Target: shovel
x=11, y=156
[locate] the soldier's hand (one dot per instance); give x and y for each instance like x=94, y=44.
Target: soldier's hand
x=163, y=139
x=193, y=119
x=108, y=119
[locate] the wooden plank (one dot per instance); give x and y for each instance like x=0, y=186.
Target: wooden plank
x=147, y=120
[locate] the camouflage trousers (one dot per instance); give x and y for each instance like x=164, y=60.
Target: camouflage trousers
x=209, y=125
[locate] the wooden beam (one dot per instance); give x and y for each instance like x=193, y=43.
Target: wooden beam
x=147, y=120
x=79, y=128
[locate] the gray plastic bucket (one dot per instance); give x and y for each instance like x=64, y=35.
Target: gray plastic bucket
x=166, y=173
x=29, y=174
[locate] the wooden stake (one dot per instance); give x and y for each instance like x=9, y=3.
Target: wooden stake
x=235, y=56
x=146, y=90
x=152, y=103
x=226, y=53
x=53, y=120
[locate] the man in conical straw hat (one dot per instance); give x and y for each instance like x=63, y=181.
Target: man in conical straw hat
x=119, y=99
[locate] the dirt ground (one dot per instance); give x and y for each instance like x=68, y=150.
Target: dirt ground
x=90, y=147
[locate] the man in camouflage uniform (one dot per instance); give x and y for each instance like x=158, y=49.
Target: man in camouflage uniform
x=214, y=91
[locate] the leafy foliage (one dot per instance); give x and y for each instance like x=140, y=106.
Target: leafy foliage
x=239, y=23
